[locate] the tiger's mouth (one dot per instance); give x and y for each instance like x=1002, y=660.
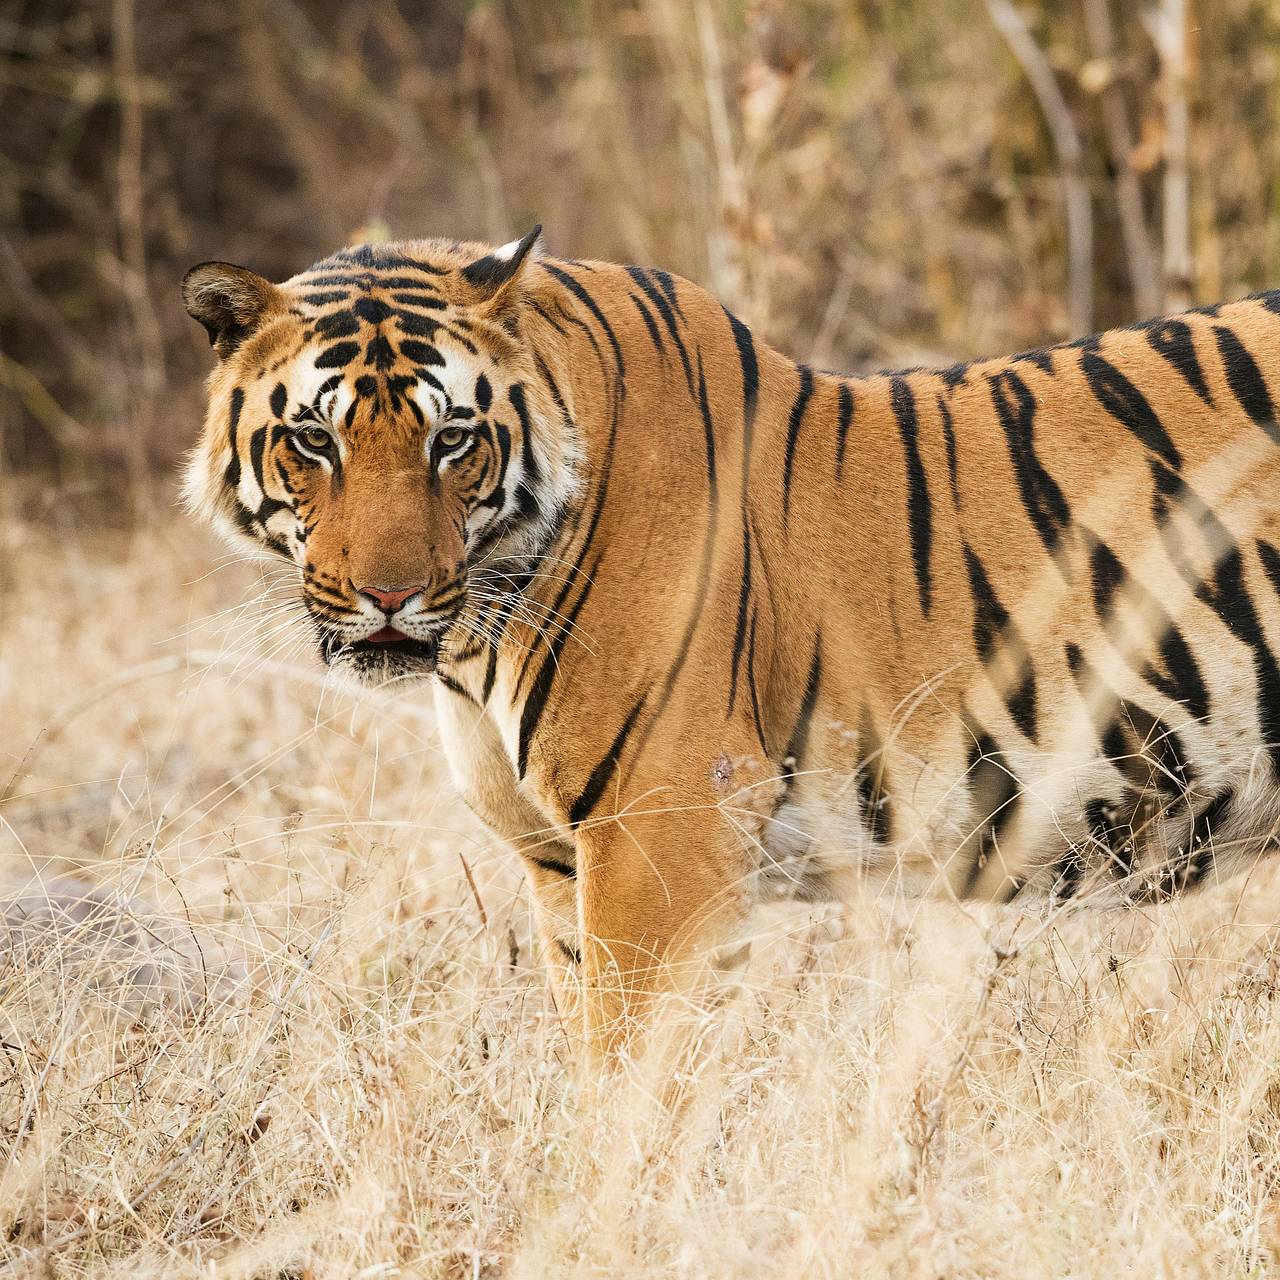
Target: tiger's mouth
x=390, y=643
x=386, y=655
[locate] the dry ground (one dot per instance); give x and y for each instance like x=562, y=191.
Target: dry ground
x=295, y=1040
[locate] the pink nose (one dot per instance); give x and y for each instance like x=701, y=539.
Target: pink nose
x=388, y=599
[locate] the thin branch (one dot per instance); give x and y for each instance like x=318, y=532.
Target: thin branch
x=1066, y=142
x=1168, y=27
x=1140, y=253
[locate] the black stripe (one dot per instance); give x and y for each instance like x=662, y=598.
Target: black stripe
x=1108, y=577
x=565, y=416
x=995, y=792
x=750, y=393
x=1068, y=872
x=1146, y=751
x=257, y=455
x=1270, y=560
x=341, y=353
x=1226, y=594
x=1040, y=358
x=1180, y=681
x=1045, y=504
x=649, y=322
x=590, y=303
x=708, y=430
x=1124, y=402
x=427, y=301
x=803, y=395
x=991, y=627
x=668, y=318
x=368, y=255
x=536, y=701
x=1117, y=840
x=372, y=310
x=231, y=476
x=346, y=281
x=501, y=616
x=581, y=808
x=1229, y=598
x=751, y=681
x=528, y=460
x=949, y=438
x=534, y=305
x=473, y=648
x=668, y=286
x=1173, y=340
x=989, y=615
x=740, y=630
x=554, y=865
x=454, y=687
x=416, y=326
x=919, y=507
x=798, y=743
x=873, y=803
x=750, y=380
x=1154, y=758
x=1246, y=382
x=404, y=282
x=843, y=418
x=1183, y=682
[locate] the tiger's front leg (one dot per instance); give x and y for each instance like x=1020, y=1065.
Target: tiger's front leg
x=486, y=782
x=665, y=884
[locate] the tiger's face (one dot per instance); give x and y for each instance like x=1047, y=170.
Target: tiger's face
x=378, y=422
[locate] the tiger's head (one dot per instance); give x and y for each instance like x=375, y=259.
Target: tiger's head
x=384, y=422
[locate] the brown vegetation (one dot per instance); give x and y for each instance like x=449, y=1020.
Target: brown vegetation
x=866, y=183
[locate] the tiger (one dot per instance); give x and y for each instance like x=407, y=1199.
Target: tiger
x=707, y=627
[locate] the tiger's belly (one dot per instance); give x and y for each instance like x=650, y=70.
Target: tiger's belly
x=1141, y=802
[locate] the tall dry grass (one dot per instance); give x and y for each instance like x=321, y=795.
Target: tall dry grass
x=301, y=1038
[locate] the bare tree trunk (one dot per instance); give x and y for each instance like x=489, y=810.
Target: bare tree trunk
x=1168, y=25
x=1066, y=142
x=1140, y=253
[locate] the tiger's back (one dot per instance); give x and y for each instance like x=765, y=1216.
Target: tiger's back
x=1056, y=612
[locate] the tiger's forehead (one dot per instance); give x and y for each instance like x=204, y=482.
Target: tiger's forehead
x=386, y=341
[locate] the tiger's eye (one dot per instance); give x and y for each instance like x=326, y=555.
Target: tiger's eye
x=314, y=438
x=450, y=437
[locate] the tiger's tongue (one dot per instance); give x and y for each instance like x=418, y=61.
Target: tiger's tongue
x=388, y=635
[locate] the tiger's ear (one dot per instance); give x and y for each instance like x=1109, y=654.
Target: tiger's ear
x=229, y=301
x=496, y=276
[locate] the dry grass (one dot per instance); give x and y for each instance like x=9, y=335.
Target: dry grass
x=906, y=1089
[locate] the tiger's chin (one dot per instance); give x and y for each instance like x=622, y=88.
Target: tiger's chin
x=373, y=665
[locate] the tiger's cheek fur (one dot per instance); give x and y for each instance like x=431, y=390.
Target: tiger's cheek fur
x=240, y=477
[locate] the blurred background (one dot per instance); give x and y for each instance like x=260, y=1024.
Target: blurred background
x=867, y=182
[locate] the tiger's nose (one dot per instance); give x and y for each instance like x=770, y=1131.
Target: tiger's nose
x=388, y=599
